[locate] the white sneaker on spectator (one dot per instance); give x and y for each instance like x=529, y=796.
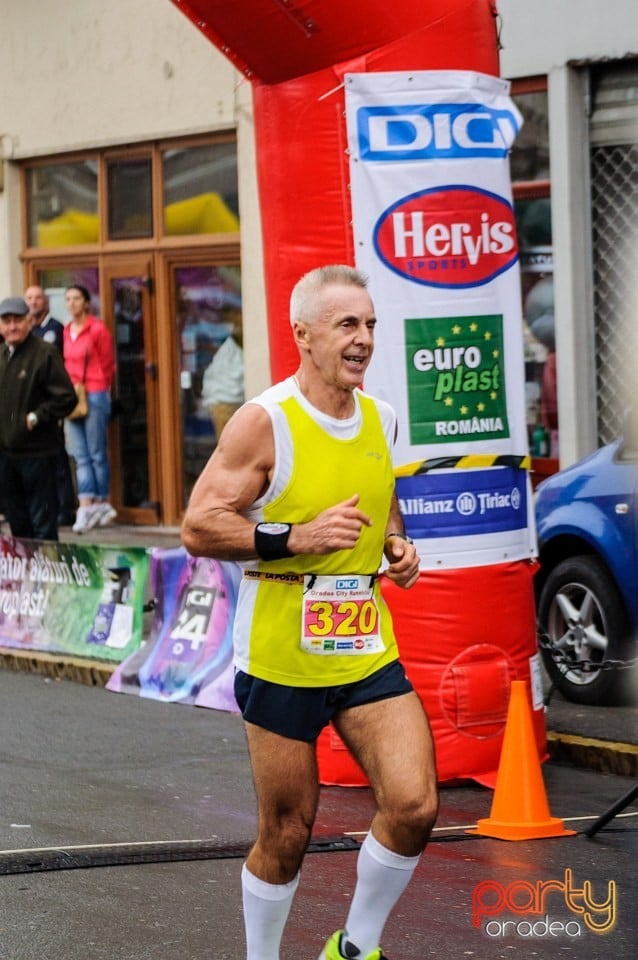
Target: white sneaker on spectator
x=94, y=514
x=107, y=514
x=82, y=520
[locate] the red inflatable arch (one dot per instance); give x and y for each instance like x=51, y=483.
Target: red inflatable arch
x=296, y=53
x=464, y=634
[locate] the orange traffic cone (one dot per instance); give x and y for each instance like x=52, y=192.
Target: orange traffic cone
x=519, y=806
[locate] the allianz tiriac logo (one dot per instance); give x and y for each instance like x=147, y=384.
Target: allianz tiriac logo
x=434, y=131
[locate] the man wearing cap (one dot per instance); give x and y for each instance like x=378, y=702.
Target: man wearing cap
x=36, y=393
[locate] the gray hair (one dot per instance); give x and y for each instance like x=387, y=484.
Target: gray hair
x=304, y=300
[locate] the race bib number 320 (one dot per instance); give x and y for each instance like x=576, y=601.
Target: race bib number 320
x=340, y=616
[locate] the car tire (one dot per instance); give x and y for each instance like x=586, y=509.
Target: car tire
x=582, y=615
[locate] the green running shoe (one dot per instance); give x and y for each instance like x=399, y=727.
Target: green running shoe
x=332, y=951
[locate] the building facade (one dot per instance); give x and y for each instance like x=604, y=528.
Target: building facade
x=125, y=142
x=584, y=53
x=127, y=164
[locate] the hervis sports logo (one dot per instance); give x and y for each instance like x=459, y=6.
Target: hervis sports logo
x=453, y=236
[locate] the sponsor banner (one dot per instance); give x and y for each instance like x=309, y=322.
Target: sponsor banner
x=419, y=239
x=73, y=599
x=455, y=516
x=473, y=538
x=188, y=657
x=434, y=231
x=462, y=502
x=456, y=390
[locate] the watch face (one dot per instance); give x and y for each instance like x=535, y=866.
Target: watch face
x=273, y=528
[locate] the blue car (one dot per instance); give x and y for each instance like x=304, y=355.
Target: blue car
x=587, y=585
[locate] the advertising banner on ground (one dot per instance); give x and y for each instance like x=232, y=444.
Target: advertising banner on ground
x=68, y=598
x=434, y=231
x=188, y=657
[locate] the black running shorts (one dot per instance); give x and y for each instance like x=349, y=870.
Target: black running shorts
x=301, y=713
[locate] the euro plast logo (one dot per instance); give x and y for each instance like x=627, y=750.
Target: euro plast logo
x=455, y=371
x=453, y=236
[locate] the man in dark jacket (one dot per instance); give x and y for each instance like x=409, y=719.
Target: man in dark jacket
x=43, y=324
x=46, y=327
x=36, y=393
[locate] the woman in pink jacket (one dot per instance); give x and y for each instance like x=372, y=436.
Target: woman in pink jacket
x=89, y=358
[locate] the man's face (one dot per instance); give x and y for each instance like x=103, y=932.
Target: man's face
x=37, y=302
x=341, y=340
x=15, y=329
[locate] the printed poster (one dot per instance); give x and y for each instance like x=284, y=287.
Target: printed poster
x=68, y=598
x=188, y=657
x=434, y=231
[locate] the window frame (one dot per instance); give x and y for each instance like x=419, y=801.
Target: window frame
x=530, y=189
x=159, y=241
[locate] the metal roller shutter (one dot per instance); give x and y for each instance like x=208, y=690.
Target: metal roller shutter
x=614, y=186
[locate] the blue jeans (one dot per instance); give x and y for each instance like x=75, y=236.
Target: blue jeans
x=86, y=442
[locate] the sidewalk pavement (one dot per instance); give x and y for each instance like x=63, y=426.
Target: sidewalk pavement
x=601, y=738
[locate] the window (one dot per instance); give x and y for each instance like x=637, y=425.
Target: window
x=208, y=317
x=529, y=160
x=529, y=164
x=130, y=206
x=166, y=190
x=200, y=189
x=62, y=204
x=152, y=230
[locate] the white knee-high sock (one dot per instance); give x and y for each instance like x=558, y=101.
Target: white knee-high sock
x=382, y=876
x=266, y=909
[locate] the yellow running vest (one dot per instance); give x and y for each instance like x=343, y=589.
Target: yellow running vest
x=325, y=471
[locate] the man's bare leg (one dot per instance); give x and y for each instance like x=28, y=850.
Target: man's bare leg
x=391, y=740
x=286, y=784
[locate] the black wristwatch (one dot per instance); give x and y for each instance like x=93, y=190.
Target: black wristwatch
x=271, y=540
x=402, y=536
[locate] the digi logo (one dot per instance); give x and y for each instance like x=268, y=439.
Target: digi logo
x=434, y=131
x=350, y=583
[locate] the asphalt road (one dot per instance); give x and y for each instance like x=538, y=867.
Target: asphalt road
x=112, y=781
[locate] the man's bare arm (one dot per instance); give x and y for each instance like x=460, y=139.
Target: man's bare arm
x=395, y=519
x=402, y=557
x=235, y=476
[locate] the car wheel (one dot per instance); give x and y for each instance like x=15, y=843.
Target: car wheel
x=582, y=616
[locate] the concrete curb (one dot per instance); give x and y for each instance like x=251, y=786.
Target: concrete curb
x=605, y=756
x=92, y=673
